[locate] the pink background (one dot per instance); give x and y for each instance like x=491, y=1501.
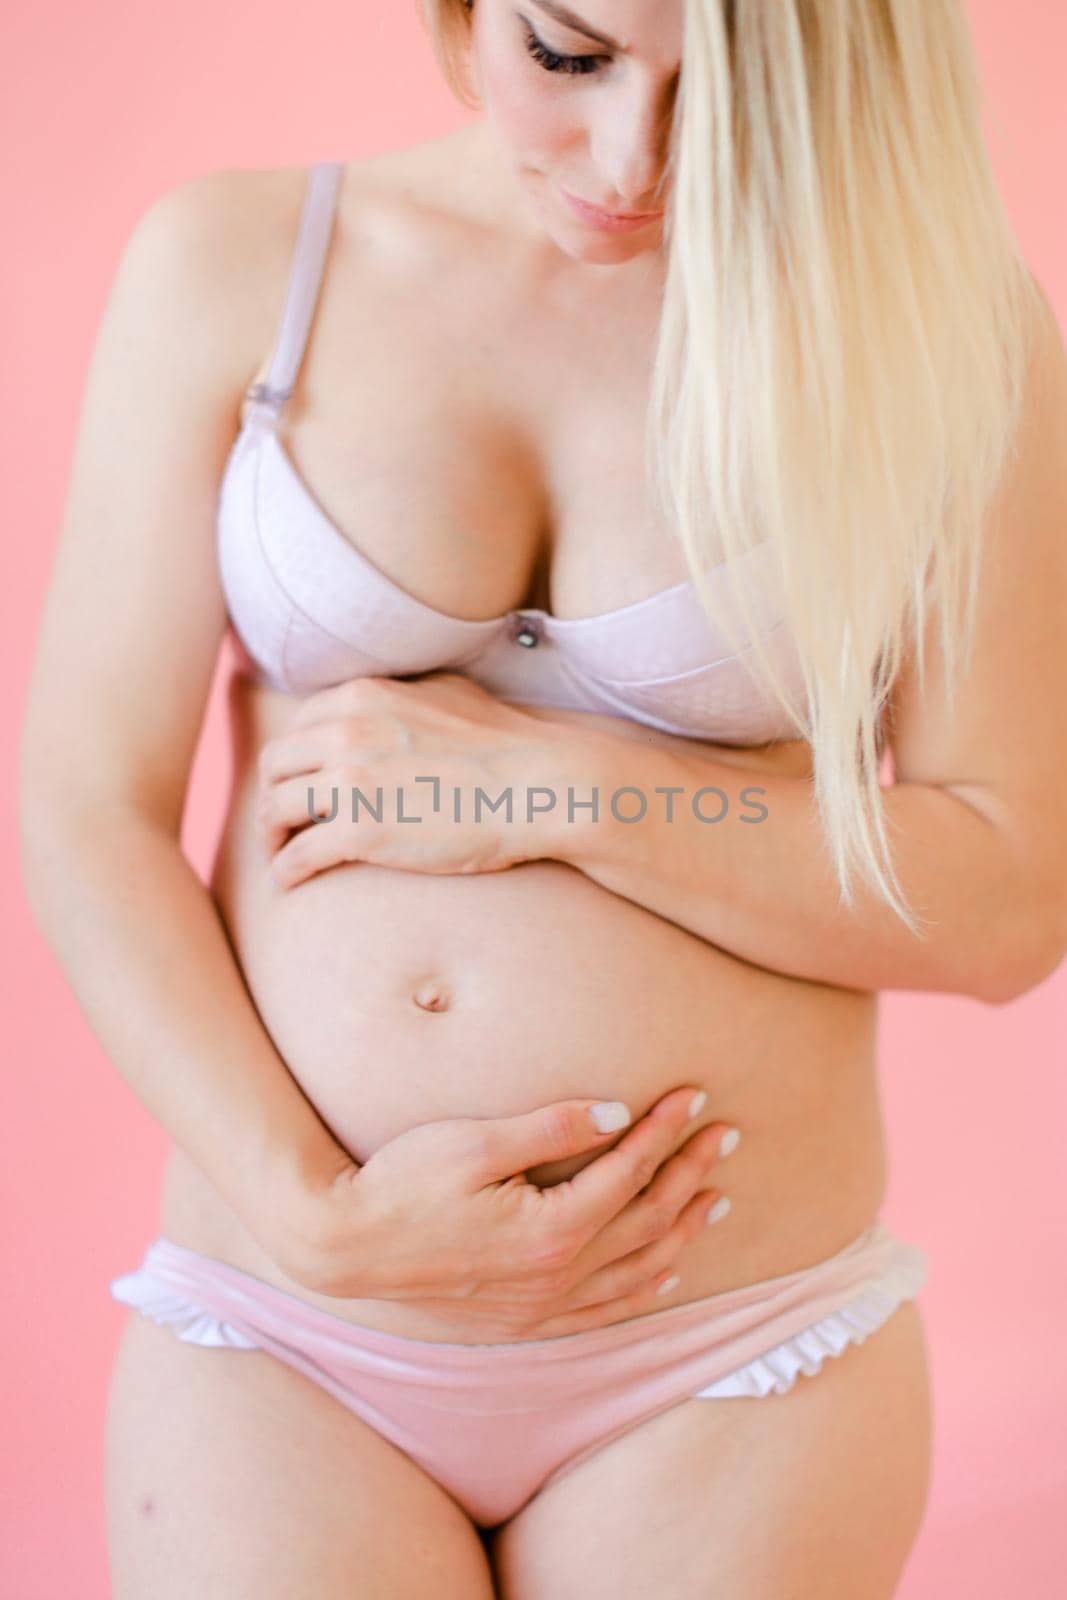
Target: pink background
x=107, y=106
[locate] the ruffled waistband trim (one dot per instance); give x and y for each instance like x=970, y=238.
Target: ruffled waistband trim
x=778, y=1369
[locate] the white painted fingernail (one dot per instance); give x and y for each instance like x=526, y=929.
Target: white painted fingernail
x=697, y=1104
x=608, y=1115
x=730, y=1141
x=719, y=1209
x=671, y=1283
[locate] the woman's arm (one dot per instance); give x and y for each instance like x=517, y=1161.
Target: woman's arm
x=126, y=652
x=142, y=946
x=128, y=644
x=975, y=817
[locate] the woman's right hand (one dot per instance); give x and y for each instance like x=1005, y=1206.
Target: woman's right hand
x=444, y=1216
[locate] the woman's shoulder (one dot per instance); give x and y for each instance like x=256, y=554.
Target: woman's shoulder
x=219, y=247
x=231, y=230
x=234, y=228
x=246, y=219
x=227, y=236
x=213, y=251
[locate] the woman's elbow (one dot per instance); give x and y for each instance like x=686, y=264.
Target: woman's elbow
x=1033, y=947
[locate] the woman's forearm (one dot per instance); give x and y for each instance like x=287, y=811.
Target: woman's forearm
x=142, y=946
x=765, y=890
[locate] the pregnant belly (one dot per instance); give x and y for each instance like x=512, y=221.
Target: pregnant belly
x=398, y=998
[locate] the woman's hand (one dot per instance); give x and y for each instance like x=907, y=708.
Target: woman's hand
x=418, y=753
x=443, y=1216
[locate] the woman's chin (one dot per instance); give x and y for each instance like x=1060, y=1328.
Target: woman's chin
x=585, y=245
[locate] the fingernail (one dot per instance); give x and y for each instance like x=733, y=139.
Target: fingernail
x=669, y=1284
x=730, y=1141
x=697, y=1104
x=719, y=1209
x=608, y=1115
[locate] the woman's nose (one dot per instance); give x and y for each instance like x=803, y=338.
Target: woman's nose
x=629, y=146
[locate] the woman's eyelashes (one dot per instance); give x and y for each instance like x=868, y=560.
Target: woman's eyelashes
x=551, y=61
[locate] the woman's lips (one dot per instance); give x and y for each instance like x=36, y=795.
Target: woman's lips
x=608, y=221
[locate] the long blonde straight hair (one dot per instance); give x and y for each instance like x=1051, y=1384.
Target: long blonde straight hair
x=841, y=355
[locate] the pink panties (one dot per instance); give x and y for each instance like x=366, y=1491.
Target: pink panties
x=494, y=1423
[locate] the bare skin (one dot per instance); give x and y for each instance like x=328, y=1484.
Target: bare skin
x=469, y=417
x=337, y=966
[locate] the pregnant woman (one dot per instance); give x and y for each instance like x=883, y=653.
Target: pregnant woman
x=594, y=495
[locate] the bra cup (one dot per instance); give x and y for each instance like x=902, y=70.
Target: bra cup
x=337, y=589
x=717, y=703
x=258, y=607
x=667, y=634
x=309, y=610
x=313, y=659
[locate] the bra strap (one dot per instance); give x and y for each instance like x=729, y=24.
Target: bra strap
x=305, y=277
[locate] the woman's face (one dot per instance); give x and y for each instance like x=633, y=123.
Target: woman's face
x=580, y=98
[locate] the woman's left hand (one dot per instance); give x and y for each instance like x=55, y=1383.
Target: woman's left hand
x=418, y=752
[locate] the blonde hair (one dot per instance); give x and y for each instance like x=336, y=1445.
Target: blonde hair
x=841, y=354
x=448, y=24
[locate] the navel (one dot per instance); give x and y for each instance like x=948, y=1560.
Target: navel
x=432, y=994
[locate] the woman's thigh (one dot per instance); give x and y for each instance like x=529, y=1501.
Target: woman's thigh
x=819, y=1491
x=231, y=1475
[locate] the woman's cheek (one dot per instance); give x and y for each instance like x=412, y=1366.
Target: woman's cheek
x=529, y=119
